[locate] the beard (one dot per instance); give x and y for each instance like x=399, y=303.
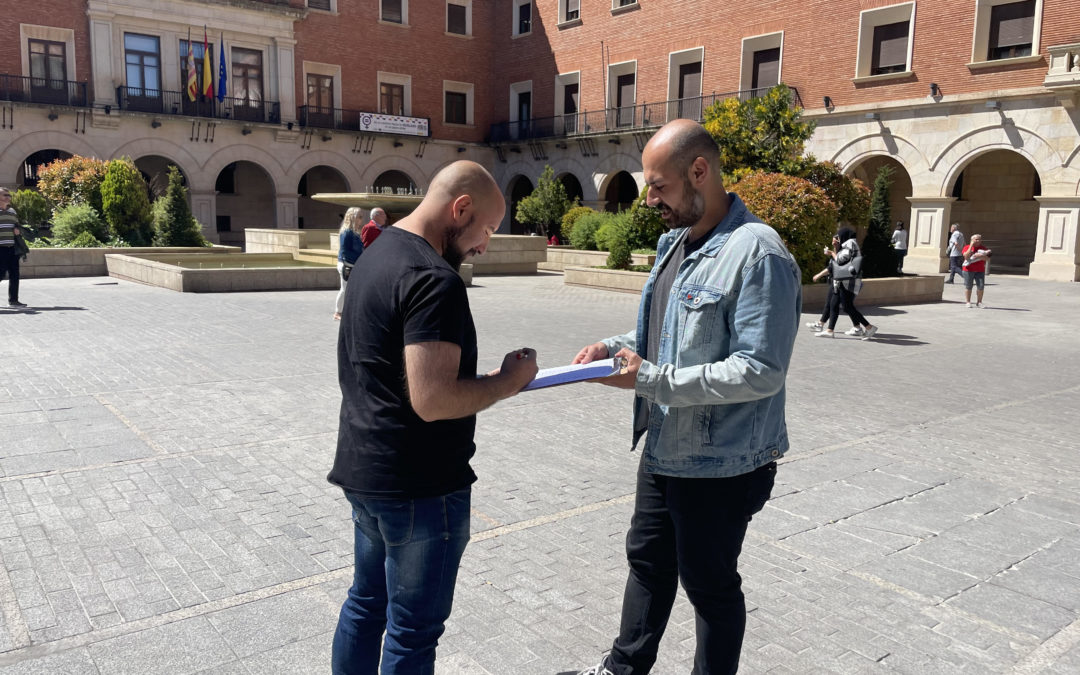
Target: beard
x=452, y=253
x=688, y=215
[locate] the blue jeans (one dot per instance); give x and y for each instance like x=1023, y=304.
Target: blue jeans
x=407, y=555
x=690, y=529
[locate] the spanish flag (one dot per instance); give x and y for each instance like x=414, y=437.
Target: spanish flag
x=207, y=70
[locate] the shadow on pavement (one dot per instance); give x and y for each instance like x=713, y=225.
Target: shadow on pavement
x=38, y=310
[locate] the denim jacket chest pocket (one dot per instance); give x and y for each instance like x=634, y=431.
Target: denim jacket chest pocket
x=701, y=320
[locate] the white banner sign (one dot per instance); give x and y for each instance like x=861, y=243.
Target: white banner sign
x=393, y=124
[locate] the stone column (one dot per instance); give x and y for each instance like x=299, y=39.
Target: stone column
x=929, y=235
x=204, y=208
x=1056, y=245
x=287, y=206
x=102, y=58
x=285, y=55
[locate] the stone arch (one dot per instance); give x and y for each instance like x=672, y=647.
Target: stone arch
x=613, y=164
x=205, y=179
x=393, y=163
x=519, y=187
x=173, y=152
x=334, y=160
x=858, y=150
x=11, y=157
x=965, y=148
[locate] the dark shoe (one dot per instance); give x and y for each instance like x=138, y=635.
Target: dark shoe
x=949, y=281
x=16, y=303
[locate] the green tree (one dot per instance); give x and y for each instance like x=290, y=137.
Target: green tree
x=545, y=207
x=126, y=204
x=646, y=223
x=878, y=257
x=73, y=220
x=570, y=219
x=760, y=134
x=850, y=195
x=173, y=223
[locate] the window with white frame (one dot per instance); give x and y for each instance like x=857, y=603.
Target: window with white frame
x=457, y=102
x=762, y=61
x=684, y=84
x=569, y=11
x=395, y=93
x=885, y=41
x=568, y=102
x=394, y=11
x=55, y=58
x=325, y=5
x=322, y=94
x=459, y=17
x=616, y=5
x=521, y=108
x=622, y=94
x=1006, y=29
x=523, y=17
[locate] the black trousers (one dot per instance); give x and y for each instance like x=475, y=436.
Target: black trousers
x=688, y=529
x=845, y=299
x=9, y=267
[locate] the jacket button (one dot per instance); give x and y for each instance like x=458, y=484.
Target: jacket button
x=697, y=300
x=775, y=453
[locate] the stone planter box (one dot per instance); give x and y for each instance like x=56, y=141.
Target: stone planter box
x=560, y=258
x=885, y=291
x=90, y=262
x=161, y=270
x=258, y=240
x=510, y=254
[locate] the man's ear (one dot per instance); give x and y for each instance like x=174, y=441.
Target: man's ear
x=460, y=206
x=699, y=171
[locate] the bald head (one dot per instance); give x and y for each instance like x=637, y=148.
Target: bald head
x=680, y=142
x=464, y=178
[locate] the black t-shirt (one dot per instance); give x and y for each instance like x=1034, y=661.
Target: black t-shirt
x=405, y=294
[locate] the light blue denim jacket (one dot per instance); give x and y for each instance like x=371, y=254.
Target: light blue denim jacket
x=716, y=395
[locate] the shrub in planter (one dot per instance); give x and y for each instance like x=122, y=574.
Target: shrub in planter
x=75, y=219
x=584, y=233
x=570, y=218
x=798, y=210
x=646, y=224
x=85, y=240
x=850, y=195
x=126, y=203
x=616, y=227
x=173, y=223
x=32, y=208
x=545, y=207
x=619, y=257
x=76, y=180
x=879, y=259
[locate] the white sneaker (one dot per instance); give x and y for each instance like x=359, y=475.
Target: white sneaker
x=857, y=330
x=870, y=332
x=980, y=306
x=968, y=305
x=815, y=326
x=825, y=333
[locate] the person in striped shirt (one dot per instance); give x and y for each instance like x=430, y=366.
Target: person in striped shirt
x=9, y=257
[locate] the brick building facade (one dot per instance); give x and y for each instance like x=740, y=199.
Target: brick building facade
x=972, y=104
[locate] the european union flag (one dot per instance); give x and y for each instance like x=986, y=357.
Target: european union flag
x=222, y=73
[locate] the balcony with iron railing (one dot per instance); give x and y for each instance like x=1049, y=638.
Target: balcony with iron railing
x=620, y=120
x=42, y=90
x=359, y=120
x=161, y=102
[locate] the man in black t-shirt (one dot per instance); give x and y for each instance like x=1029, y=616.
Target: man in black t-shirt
x=410, y=394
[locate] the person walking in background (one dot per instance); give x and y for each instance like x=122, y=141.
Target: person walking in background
x=349, y=250
x=374, y=227
x=830, y=299
x=844, y=250
x=975, y=257
x=899, y=242
x=955, y=251
x=9, y=256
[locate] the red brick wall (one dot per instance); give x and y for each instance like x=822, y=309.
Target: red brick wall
x=54, y=13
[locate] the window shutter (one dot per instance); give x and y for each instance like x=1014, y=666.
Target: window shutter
x=572, y=6
x=891, y=46
x=766, y=69
x=1014, y=24
x=319, y=4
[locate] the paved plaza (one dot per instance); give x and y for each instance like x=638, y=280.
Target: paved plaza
x=164, y=508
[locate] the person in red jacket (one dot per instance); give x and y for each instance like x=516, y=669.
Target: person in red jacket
x=975, y=257
x=374, y=227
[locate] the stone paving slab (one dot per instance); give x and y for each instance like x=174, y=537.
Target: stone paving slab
x=163, y=504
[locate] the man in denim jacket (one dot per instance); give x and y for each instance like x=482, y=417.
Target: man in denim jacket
x=707, y=363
